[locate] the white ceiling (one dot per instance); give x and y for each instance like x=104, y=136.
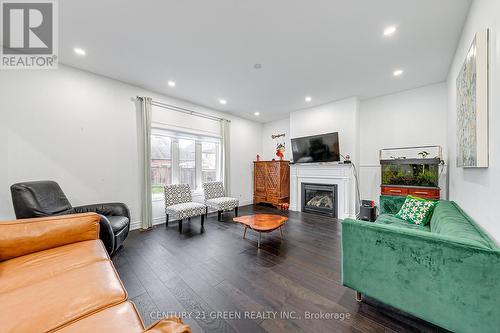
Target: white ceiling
x=326, y=49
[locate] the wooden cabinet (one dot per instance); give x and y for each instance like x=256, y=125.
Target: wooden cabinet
x=271, y=182
x=428, y=193
x=421, y=192
x=390, y=190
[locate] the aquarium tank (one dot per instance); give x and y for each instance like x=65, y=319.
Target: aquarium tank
x=411, y=172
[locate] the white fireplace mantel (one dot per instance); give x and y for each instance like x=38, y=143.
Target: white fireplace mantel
x=325, y=173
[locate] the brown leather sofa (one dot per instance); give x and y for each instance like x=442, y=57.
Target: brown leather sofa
x=55, y=275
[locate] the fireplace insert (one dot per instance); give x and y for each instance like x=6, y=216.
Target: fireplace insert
x=319, y=199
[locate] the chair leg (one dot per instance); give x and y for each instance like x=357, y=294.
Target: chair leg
x=202, y=220
x=206, y=211
x=258, y=242
x=236, y=211
x=219, y=215
x=245, y=232
x=359, y=297
x=180, y=225
x=166, y=221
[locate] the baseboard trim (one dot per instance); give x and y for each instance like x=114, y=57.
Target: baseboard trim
x=161, y=219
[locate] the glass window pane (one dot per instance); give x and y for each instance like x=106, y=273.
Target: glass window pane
x=209, y=161
x=187, y=162
x=161, y=162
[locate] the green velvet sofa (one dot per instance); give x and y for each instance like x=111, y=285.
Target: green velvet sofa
x=447, y=273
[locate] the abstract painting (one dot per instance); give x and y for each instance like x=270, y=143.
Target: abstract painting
x=472, y=106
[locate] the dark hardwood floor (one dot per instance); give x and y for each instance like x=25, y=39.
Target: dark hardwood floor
x=213, y=277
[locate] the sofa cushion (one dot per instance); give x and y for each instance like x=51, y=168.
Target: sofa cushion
x=28, y=269
x=397, y=222
x=121, y=318
x=53, y=302
x=448, y=219
x=117, y=222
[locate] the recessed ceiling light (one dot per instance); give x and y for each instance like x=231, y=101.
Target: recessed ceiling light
x=389, y=30
x=171, y=84
x=256, y=113
x=308, y=99
x=79, y=51
x=398, y=72
x=222, y=101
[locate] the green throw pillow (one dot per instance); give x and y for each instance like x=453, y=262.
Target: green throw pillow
x=416, y=210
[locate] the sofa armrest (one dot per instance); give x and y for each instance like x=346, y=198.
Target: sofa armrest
x=106, y=209
x=434, y=277
x=25, y=236
x=168, y=325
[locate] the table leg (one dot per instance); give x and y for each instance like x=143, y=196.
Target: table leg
x=281, y=231
x=258, y=243
x=245, y=232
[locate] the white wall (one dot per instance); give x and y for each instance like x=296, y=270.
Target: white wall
x=269, y=145
x=476, y=190
x=4, y=182
x=341, y=116
x=246, y=143
x=415, y=117
x=80, y=129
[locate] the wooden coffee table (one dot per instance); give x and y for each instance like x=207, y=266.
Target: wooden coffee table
x=261, y=223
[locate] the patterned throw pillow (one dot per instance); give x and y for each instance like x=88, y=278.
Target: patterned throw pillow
x=416, y=210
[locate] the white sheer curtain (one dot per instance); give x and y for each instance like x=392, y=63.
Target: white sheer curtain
x=226, y=175
x=146, y=200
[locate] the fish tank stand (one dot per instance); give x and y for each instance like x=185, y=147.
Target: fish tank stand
x=411, y=172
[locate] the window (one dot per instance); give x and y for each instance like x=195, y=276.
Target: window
x=178, y=158
x=161, y=162
x=209, y=161
x=187, y=162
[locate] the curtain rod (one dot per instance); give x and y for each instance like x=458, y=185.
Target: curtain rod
x=184, y=110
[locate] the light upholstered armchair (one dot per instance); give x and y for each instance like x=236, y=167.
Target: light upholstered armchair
x=179, y=204
x=214, y=198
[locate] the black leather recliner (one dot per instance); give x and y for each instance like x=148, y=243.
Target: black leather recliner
x=45, y=198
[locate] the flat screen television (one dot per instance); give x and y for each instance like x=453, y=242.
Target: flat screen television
x=316, y=148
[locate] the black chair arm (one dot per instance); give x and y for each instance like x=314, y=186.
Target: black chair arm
x=106, y=234
x=106, y=209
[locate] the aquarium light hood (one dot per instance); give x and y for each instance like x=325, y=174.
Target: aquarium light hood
x=414, y=153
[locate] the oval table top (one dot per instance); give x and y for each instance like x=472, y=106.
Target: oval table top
x=262, y=222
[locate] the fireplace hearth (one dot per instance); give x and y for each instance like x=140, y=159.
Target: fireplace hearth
x=319, y=199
